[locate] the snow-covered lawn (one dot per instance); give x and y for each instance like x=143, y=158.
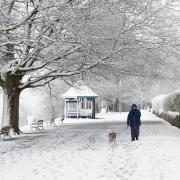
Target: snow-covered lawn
x=81, y=151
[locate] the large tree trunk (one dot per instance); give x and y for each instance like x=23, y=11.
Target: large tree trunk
x=11, y=102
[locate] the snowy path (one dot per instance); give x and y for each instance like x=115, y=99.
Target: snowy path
x=82, y=152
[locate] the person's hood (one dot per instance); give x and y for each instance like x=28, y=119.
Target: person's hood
x=134, y=105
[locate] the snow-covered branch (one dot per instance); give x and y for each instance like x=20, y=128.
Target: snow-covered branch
x=40, y=84
x=34, y=11
x=9, y=43
x=53, y=38
x=33, y=68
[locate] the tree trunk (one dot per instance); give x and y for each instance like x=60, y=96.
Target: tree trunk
x=11, y=103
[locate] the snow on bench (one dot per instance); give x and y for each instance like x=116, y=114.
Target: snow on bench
x=37, y=125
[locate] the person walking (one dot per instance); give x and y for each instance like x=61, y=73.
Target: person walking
x=134, y=121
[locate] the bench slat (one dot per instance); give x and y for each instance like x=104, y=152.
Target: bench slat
x=37, y=125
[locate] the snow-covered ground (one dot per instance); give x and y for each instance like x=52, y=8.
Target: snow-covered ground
x=81, y=151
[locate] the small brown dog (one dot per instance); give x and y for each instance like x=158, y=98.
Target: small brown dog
x=112, y=136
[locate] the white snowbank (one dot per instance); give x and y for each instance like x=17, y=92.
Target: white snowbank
x=101, y=117
x=111, y=117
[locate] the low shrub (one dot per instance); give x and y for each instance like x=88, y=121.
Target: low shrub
x=173, y=120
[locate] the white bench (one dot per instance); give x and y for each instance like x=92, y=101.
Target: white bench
x=38, y=125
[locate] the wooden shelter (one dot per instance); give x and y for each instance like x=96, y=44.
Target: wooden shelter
x=79, y=102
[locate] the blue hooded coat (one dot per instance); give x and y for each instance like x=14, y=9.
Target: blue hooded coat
x=134, y=117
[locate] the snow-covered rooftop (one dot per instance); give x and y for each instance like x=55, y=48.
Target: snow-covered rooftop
x=79, y=91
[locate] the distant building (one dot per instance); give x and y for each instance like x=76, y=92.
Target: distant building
x=79, y=102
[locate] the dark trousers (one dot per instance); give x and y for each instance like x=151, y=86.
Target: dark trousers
x=134, y=132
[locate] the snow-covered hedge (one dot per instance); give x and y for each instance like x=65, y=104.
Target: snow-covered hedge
x=168, y=107
x=173, y=114
x=174, y=99
x=165, y=103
